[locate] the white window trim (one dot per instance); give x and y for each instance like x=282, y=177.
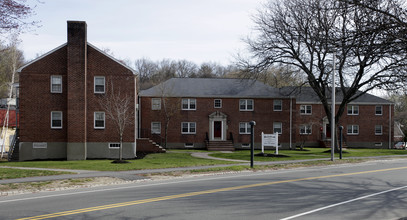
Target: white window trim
x=104, y=85
x=381, y=110
x=247, y=127
x=274, y=126
x=347, y=130
x=353, y=107
x=94, y=120
x=214, y=103
x=305, y=128
x=189, y=128
x=274, y=105
x=189, y=105
x=56, y=76
x=246, y=104
x=305, y=110
x=381, y=130
x=116, y=143
x=62, y=120
x=158, y=105
x=158, y=130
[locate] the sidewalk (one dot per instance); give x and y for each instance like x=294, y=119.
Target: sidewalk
x=134, y=174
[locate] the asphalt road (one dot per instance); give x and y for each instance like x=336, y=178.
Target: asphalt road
x=372, y=190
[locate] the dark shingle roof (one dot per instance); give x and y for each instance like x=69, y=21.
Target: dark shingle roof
x=242, y=88
x=307, y=95
x=212, y=87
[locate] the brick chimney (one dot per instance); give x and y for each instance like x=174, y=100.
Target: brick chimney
x=76, y=85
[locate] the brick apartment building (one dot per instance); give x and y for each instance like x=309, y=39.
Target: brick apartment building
x=214, y=113
x=60, y=111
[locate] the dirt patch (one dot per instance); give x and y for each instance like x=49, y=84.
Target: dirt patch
x=57, y=185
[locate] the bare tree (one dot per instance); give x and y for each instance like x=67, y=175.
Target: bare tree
x=400, y=109
x=13, y=15
x=368, y=44
x=118, y=108
x=11, y=58
x=171, y=107
x=185, y=69
x=10, y=63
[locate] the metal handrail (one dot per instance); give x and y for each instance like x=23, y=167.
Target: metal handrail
x=13, y=145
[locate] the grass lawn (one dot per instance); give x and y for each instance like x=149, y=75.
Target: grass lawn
x=151, y=161
x=182, y=158
x=9, y=173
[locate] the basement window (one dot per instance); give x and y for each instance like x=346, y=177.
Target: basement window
x=245, y=145
x=189, y=145
x=114, y=145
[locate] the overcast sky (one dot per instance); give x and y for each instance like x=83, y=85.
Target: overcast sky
x=195, y=30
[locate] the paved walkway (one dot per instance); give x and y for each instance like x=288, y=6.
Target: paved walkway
x=134, y=174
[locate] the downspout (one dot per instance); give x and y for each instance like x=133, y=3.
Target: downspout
x=291, y=121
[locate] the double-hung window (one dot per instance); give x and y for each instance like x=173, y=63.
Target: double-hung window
x=155, y=104
x=378, y=110
x=99, y=120
x=188, y=104
x=353, y=129
x=305, y=129
x=278, y=127
x=305, y=109
x=188, y=127
x=278, y=105
x=155, y=127
x=99, y=84
x=353, y=110
x=56, y=84
x=244, y=128
x=246, y=104
x=378, y=129
x=56, y=119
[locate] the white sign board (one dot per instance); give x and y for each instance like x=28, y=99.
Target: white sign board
x=270, y=140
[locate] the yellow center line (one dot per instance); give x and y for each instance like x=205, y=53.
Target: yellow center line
x=183, y=195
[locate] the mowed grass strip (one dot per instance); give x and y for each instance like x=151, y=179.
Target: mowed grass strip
x=10, y=173
x=308, y=153
x=183, y=158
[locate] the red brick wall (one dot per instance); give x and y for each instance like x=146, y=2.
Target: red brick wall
x=37, y=102
x=366, y=121
x=263, y=114
x=123, y=81
x=76, y=64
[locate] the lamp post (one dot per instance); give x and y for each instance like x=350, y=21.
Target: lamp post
x=333, y=110
x=252, y=124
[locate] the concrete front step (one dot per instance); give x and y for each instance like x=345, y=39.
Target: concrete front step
x=220, y=146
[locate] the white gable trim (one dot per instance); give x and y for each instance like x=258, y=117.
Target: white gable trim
x=63, y=45
x=40, y=57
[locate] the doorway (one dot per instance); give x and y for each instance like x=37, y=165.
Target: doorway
x=217, y=129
